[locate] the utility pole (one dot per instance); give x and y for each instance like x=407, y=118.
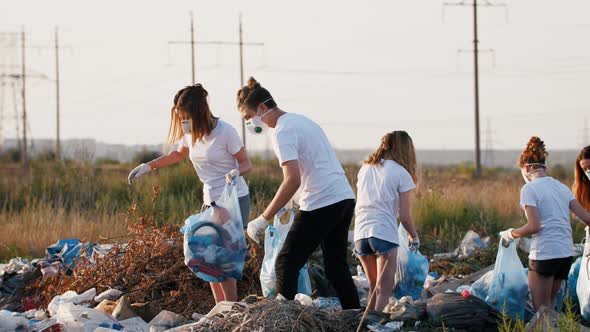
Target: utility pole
x=242, y=76
x=25, y=157
x=2, y=95
x=57, y=101
x=474, y=5
x=240, y=43
x=16, y=120
x=193, y=48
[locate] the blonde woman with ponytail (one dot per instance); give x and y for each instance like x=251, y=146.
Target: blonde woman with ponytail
x=385, y=182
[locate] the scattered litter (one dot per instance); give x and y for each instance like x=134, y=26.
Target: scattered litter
x=304, y=299
x=123, y=309
x=69, y=297
x=389, y=327
x=11, y=321
x=107, y=306
x=111, y=294
x=166, y=320
x=16, y=266
x=471, y=242
x=329, y=304
x=77, y=318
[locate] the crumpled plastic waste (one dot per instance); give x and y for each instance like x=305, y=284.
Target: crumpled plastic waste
x=412, y=269
x=274, y=237
x=78, y=318
x=471, y=241
x=12, y=321
x=304, y=299
x=16, y=265
x=508, y=290
x=166, y=320
x=67, y=250
x=389, y=327
x=327, y=303
x=135, y=324
x=111, y=294
x=69, y=297
x=214, y=243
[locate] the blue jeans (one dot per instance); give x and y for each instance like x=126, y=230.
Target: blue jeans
x=373, y=246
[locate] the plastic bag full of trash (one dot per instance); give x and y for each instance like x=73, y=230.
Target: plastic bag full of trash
x=412, y=268
x=274, y=237
x=509, y=285
x=583, y=284
x=214, y=243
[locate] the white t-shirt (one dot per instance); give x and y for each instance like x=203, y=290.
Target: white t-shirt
x=213, y=157
x=323, y=181
x=552, y=198
x=377, y=206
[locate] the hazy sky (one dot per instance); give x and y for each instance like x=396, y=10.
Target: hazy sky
x=358, y=68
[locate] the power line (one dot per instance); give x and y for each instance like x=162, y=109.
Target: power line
x=475, y=51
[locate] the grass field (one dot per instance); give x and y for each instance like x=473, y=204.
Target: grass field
x=57, y=200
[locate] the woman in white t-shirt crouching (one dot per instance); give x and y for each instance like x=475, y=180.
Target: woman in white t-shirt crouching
x=217, y=153
x=326, y=199
x=385, y=182
x=546, y=203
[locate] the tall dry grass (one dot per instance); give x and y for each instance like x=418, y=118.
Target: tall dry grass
x=82, y=200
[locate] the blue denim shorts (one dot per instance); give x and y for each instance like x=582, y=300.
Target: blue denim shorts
x=373, y=246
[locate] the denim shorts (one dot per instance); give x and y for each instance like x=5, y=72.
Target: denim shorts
x=373, y=246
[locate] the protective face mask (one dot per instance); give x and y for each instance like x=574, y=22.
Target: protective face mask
x=587, y=174
x=186, y=126
x=525, y=176
x=255, y=124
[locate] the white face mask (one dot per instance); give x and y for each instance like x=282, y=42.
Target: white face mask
x=255, y=124
x=587, y=174
x=525, y=176
x=186, y=126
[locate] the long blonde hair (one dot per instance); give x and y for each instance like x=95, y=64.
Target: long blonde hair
x=193, y=101
x=399, y=147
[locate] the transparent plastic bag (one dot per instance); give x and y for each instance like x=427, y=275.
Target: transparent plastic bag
x=214, y=243
x=481, y=286
x=509, y=287
x=412, y=269
x=274, y=237
x=583, y=284
x=572, y=281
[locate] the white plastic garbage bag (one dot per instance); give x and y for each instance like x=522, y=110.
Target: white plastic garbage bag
x=214, y=243
x=509, y=285
x=481, y=286
x=78, y=318
x=274, y=237
x=412, y=268
x=166, y=320
x=583, y=285
x=135, y=324
x=70, y=297
x=111, y=294
x=11, y=321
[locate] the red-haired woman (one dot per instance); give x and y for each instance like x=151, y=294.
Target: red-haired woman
x=546, y=203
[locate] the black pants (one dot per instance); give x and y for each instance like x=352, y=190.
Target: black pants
x=328, y=227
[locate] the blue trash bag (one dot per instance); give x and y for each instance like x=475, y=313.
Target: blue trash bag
x=274, y=237
x=214, y=243
x=572, y=281
x=67, y=250
x=583, y=284
x=509, y=287
x=412, y=269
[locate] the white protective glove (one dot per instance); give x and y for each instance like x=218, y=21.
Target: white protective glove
x=256, y=228
x=231, y=175
x=138, y=171
x=507, y=237
x=415, y=244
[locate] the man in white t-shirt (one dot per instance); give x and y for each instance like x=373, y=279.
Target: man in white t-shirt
x=326, y=199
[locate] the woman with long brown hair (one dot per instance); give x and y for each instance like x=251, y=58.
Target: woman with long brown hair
x=581, y=187
x=546, y=203
x=385, y=182
x=215, y=150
